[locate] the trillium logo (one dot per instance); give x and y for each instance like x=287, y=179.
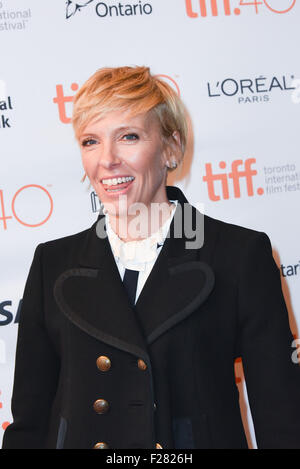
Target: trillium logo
x=73, y=6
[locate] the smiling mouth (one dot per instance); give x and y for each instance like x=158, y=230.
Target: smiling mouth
x=117, y=184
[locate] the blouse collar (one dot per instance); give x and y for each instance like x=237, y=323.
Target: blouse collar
x=136, y=255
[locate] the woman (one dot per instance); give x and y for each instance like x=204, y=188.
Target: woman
x=129, y=330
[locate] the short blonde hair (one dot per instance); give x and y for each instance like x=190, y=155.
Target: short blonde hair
x=133, y=89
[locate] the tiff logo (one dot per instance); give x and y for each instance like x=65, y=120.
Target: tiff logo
x=61, y=100
x=203, y=7
x=239, y=170
x=193, y=11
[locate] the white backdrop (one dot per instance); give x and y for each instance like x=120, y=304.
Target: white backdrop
x=235, y=64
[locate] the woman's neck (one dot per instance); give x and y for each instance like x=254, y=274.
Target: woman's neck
x=141, y=222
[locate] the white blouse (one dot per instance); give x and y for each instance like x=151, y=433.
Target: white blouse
x=138, y=255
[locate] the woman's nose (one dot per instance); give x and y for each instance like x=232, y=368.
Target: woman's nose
x=108, y=156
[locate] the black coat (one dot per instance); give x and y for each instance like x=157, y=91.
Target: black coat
x=171, y=359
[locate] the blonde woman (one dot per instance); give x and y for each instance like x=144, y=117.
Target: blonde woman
x=129, y=330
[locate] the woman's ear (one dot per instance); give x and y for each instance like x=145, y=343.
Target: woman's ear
x=176, y=138
x=173, y=150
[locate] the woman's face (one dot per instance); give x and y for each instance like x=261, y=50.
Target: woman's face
x=125, y=156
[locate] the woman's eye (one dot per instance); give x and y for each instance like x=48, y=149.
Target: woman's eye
x=88, y=142
x=131, y=137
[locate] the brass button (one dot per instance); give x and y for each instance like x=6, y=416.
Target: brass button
x=158, y=446
x=101, y=445
x=141, y=364
x=101, y=406
x=103, y=363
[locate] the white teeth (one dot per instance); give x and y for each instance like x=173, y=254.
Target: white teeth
x=112, y=190
x=115, y=181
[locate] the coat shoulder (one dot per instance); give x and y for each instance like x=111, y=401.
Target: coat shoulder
x=232, y=242
x=230, y=232
x=231, y=247
x=66, y=241
x=65, y=250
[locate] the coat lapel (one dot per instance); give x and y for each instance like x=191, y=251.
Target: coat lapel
x=93, y=297
x=180, y=280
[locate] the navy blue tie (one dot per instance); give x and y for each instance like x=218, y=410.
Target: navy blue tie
x=130, y=283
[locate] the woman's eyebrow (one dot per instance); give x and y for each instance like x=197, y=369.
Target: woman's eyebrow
x=122, y=128
x=88, y=134
x=130, y=128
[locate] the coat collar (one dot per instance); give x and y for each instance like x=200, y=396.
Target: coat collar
x=95, y=250
x=93, y=296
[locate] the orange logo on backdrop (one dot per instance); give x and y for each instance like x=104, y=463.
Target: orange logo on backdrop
x=61, y=100
x=17, y=216
x=239, y=170
x=204, y=8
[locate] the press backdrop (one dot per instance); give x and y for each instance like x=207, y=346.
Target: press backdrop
x=236, y=66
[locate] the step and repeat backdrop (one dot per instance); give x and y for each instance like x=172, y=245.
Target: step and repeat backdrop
x=235, y=65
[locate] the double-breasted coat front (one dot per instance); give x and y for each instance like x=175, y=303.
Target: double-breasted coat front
x=91, y=371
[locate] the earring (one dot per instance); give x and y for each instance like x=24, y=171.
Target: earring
x=83, y=178
x=172, y=164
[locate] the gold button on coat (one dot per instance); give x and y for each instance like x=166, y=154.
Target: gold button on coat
x=101, y=445
x=158, y=446
x=101, y=406
x=103, y=363
x=141, y=364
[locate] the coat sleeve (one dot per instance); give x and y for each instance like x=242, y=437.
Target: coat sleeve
x=36, y=369
x=272, y=377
